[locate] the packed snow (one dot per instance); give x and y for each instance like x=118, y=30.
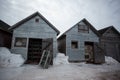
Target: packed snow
x=60, y=59
x=110, y=60
x=63, y=71
x=8, y=59
x=71, y=71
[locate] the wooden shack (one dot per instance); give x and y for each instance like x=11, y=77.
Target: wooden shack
x=5, y=35
x=32, y=35
x=110, y=42
x=81, y=43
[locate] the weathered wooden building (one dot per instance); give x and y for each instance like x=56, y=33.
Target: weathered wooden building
x=5, y=35
x=110, y=42
x=32, y=35
x=80, y=43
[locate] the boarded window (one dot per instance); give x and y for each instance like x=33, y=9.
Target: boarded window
x=83, y=28
x=74, y=44
x=36, y=20
x=20, y=42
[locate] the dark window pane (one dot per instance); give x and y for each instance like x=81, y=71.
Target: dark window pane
x=74, y=44
x=36, y=20
x=83, y=28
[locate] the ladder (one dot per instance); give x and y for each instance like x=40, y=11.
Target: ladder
x=45, y=59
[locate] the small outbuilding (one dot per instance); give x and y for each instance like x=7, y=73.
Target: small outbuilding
x=81, y=43
x=5, y=35
x=110, y=42
x=32, y=35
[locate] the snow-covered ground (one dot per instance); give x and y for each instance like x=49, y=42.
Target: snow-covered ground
x=62, y=70
x=72, y=71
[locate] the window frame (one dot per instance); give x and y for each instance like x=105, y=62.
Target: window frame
x=83, y=28
x=20, y=42
x=74, y=44
x=37, y=20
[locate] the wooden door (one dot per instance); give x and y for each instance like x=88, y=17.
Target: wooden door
x=99, y=55
x=34, y=51
x=47, y=44
x=89, y=52
x=112, y=50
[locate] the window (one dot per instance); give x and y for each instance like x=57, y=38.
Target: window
x=83, y=28
x=20, y=42
x=36, y=20
x=74, y=44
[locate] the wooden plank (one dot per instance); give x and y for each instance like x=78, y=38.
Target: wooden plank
x=47, y=44
x=45, y=59
x=99, y=56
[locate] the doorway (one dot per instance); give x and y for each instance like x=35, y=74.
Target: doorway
x=36, y=48
x=34, y=51
x=89, y=52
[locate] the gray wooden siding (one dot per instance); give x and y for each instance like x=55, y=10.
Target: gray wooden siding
x=110, y=33
x=32, y=26
x=62, y=45
x=110, y=42
x=74, y=35
x=32, y=29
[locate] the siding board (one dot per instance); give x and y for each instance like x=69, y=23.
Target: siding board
x=36, y=30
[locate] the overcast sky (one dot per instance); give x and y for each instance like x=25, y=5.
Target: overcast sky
x=63, y=14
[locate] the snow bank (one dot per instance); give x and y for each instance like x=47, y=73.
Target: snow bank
x=60, y=59
x=8, y=59
x=110, y=60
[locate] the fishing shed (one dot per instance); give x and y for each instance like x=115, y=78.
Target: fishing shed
x=81, y=43
x=33, y=35
x=5, y=35
x=110, y=42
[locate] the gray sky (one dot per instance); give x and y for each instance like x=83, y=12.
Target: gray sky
x=63, y=14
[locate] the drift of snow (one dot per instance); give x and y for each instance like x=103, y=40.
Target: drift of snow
x=110, y=60
x=7, y=59
x=60, y=59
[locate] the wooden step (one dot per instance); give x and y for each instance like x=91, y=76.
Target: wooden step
x=45, y=59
